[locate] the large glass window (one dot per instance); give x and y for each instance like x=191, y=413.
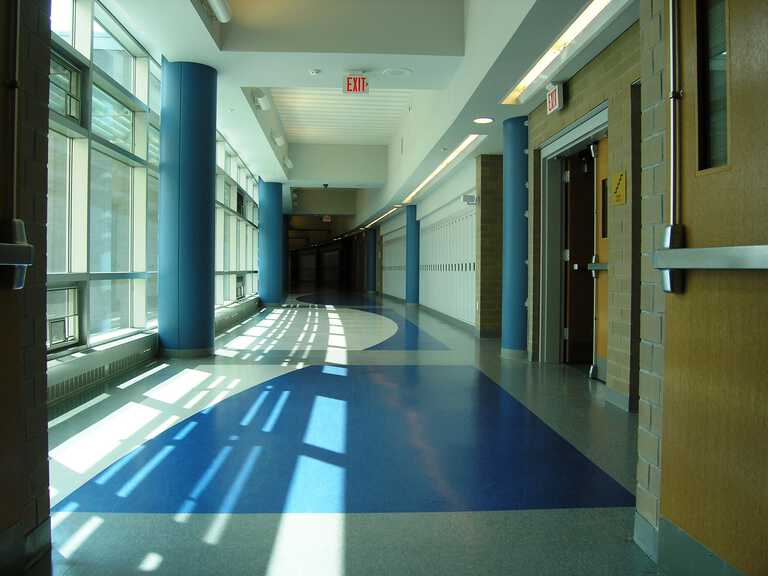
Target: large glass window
x=64, y=94
x=713, y=84
x=59, y=188
x=153, y=147
x=63, y=318
x=109, y=306
x=62, y=17
x=154, y=93
x=112, y=57
x=112, y=120
x=110, y=214
x=153, y=189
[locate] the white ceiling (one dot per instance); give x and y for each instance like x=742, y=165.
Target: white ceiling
x=328, y=116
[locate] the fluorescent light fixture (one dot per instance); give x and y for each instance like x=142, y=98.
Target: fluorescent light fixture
x=566, y=38
x=221, y=10
x=443, y=165
x=288, y=163
x=261, y=99
x=280, y=140
x=483, y=120
x=382, y=217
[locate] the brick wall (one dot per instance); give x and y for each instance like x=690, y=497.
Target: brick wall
x=654, y=186
x=24, y=507
x=488, y=244
x=607, y=78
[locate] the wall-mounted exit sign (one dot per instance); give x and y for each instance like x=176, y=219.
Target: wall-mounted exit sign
x=356, y=84
x=554, y=97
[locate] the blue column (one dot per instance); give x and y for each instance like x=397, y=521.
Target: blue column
x=371, y=240
x=271, y=243
x=514, y=277
x=411, y=255
x=186, y=260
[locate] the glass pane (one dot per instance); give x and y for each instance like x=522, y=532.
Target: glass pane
x=110, y=308
x=62, y=314
x=152, y=301
x=153, y=189
x=110, y=214
x=62, y=16
x=112, y=57
x=154, y=93
x=713, y=77
x=153, y=146
x=64, y=95
x=59, y=162
x=111, y=120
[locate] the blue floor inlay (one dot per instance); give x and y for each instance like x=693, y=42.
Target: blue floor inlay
x=408, y=336
x=356, y=439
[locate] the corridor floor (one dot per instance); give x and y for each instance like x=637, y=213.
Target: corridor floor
x=338, y=435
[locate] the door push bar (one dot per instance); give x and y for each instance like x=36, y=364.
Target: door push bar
x=725, y=258
x=16, y=254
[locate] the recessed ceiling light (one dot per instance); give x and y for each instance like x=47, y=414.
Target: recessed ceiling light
x=483, y=120
x=315, y=71
x=396, y=72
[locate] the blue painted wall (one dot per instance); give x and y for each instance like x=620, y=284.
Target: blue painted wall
x=411, y=255
x=514, y=288
x=186, y=259
x=271, y=243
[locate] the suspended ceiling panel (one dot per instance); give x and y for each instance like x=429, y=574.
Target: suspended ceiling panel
x=328, y=116
x=429, y=27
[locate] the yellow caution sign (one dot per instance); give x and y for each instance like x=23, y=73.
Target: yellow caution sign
x=619, y=188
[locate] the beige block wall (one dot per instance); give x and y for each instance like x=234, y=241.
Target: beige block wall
x=24, y=507
x=608, y=77
x=654, y=185
x=488, y=244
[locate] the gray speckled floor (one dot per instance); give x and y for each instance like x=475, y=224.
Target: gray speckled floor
x=537, y=542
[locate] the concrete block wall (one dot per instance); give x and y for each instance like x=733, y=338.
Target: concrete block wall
x=608, y=77
x=24, y=507
x=488, y=244
x=654, y=105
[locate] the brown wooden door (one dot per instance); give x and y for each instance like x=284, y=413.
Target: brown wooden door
x=714, y=455
x=579, y=218
x=601, y=242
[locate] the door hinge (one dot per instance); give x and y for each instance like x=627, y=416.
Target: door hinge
x=566, y=255
x=566, y=176
x=565, y=333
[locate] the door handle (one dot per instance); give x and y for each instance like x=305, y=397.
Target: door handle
x=17, y=254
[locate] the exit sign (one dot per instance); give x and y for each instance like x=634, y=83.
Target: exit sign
x=554, y=98
x=356, y=84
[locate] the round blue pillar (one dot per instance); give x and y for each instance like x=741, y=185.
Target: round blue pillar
x=514, y=278
x=411, y=255
x=371, y=241
x=186, y=258
x=271, y=243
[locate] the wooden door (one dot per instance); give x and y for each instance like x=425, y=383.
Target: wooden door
x=714, y=457
x=579, y=217
x=601, y=243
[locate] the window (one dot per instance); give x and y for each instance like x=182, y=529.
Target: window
x=110, y=214
x=59, y=187
x=713, y=84
x=154, y=93
x=153, y=147
x=63, y=319
x=102, y=200
x=64, y=96
x=112, y=57
x=62, y=17
x=153, y=189
x=109, y=306
x=112, y=120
